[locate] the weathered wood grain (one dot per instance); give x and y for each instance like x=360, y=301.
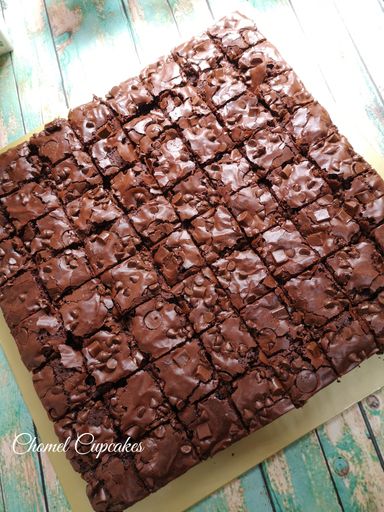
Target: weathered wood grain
x=373, y=407
x=11, y=121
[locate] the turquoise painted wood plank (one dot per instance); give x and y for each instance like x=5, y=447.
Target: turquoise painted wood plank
x=373, y=406
x=154, y=28
x=353, y=461
x=255, y=492
x=94, y=45
x=298, y=478
x=191, y=16
x=19, y=474
x=11, y=121
x=220, y=8
x=35, y=63
x=56, y=499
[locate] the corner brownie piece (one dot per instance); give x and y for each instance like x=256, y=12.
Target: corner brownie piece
x=88, y=120
x=13, y=258
x=198, y=55
x=56, y=142
x=127, y=98
x=185, y=374
x=162, y=76
x=17, y=166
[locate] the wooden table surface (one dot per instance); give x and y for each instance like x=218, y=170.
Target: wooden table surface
x=65, y=50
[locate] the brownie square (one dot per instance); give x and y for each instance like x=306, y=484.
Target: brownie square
x=359, y=269
x=177, y=257
x=161, y=76
x=132, y=282
x=183, y=102
x=114, y=484
x=205, y=136
x=260, y=398
x=215, y=231
x=139, y=405
x=111, y=354
x=31, y=201
x=92, y=209
x=74, y=176
x=364, y=199
x=113, y=153
x=231, y=173
x=16, y=167
x=6, y=228
x=155, y=219
x=206, y=300
x=255, y=209
x=21, y=297
x=185, y=374
x=89, y=119
x=61, y=273
x=85, y=310
x=243, y=276
x=159, y=325
x=378, y=235
x=220, y=85
x=56, y=142
x=197, y=55
x=13, y=258
x=193, y=196
x=298, y=183
x=230, y=346
x=244, y=116
x=38, y=337
x=326, y=225
x=144, y=130
x=213, y=424
x=316, y=295
x=112, y=245
x=167, y=453
x=309, y=124
x=170, y=160
x=134, y=187
x=50, y=233
x=284, y=250
x=269, y=148
x=372, y=311
x=347, y=342
x=260, y=62
x=127, y=98
x=63, y=383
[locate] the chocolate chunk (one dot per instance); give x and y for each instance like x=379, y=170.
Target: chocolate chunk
x=13, y=258
x=128, y=97
x=114, y=152
x=17, y=166
x=89, y=119
x=231, y=173
x=56, y=142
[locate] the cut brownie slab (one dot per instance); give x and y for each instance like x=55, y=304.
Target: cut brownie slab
x=56, y=142
x=90, y=119
x=17, y=166
x=13, y=258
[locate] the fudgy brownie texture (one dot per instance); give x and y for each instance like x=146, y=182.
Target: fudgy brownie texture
x=188, y=258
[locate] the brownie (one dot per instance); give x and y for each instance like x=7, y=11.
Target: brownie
x=316, y=295
x=215, y=231
x=13, y=258
x=244, y=116
x=116, y=243
x=297, y=184
x=66, y=271
x=284, y=250
x=138, y=406
x=162, y=76
x=260, y=63
x=6, y=228
x=219, y=85
x=206, y=300
x=255, y=209
x=372, y=311
x=213, y=424
x=31, y=201
x=127, y=98
x=260, y=398
x=17, y=166
x=243, y=276
x=231, y=173
x=193, y=196
x=132, y=282
x=114, y=484
x=183, y=102
x=63, y=383
x=159, y=325
x=177, y=257
x=359, y=269
x=347, y=342
x=21, y=297
x=88, y=120
x=56, y=142
x=170, y=161
x=85, y=310
x=230, y=346
x=113, y=153
x=74, y=176
x=167, y=453
x=185, y=374
x=92, y=209
x=146, y=129
x=111, y=354
x=198, y=55
x=326, y=225
x=38, y=337
x=378, y=235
